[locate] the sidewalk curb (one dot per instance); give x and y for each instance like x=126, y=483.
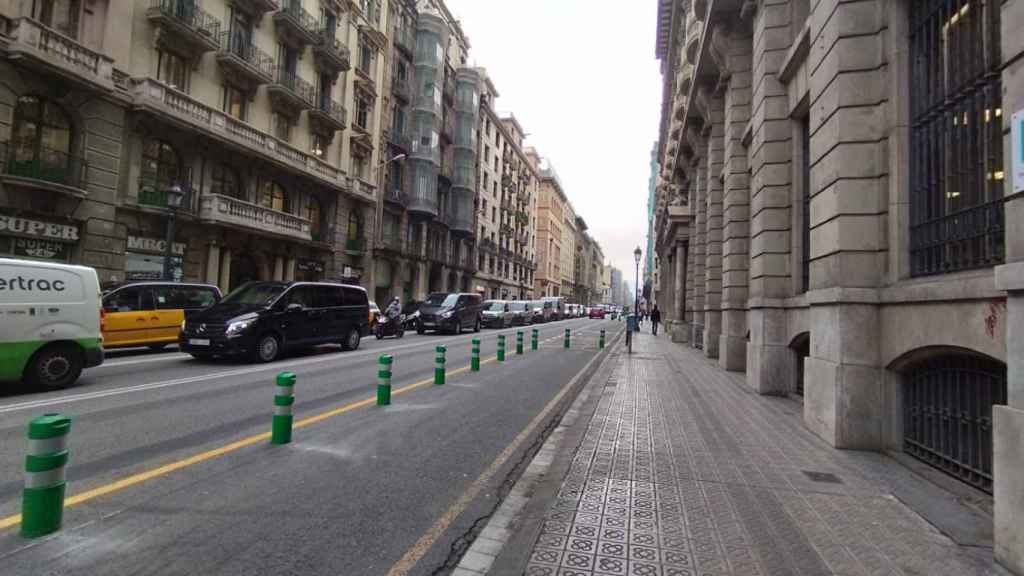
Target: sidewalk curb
x=504, y=544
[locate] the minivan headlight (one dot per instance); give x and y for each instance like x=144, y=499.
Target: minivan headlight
x=236, y=328
x=446, y=315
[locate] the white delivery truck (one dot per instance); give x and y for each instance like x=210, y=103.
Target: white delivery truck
x=49, y=322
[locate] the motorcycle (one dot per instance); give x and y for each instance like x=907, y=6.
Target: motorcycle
x=390, y=327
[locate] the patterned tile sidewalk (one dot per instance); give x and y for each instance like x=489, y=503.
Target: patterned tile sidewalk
x=684, y=472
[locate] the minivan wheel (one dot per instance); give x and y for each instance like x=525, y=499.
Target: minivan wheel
x=458, y=326
x=54, y=367
x=268, y=348
x=476, y=326
x=351, y=340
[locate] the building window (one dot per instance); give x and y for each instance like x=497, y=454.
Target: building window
x=318, y=146
x=355, y=226
x=314, y=215
x=161, y=166
x=274, y=196
x=366, y=57
x=235, y=101
x=61, y=15
x=172, y=70
x=224, y=180
x=364, y=107
x=956, y=147
x=360, y=163
x=282, y=127
x=41, y=140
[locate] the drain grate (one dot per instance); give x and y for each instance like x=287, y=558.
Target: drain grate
x=825, y=477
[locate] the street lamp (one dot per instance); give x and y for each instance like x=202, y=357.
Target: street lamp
x=382, y=186
x=636, y=306
x=175, y=195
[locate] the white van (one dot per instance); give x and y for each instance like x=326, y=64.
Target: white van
x=49, y=322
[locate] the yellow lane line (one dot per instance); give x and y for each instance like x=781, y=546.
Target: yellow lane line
x=141, y=477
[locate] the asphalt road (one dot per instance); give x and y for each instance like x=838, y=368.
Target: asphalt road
x=169, y=473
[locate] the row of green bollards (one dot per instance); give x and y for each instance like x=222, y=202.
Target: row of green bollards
x=42, y=507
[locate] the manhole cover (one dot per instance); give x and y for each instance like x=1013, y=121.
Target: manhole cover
x=825, y=477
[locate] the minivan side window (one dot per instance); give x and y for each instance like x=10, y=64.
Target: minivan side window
x=304, y=295
x=355, y=297
x=130, y=299
x=331, y=296
x=183, y=297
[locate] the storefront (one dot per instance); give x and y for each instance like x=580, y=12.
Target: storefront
x=144, y=259
x=37, y=239
x=309, y=269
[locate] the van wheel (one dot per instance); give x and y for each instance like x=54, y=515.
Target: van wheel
x=351, y=340
x=54, y=367
x=268, y=348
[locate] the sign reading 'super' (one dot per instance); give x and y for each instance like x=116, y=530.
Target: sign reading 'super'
x=37, y=228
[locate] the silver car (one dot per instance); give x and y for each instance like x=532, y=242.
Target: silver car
x=497, y=314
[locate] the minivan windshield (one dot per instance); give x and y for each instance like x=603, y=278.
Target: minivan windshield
x=494, y=306
x=444, y=300
x=255, y=294
x=520, y=306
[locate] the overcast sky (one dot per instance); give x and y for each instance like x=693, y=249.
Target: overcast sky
x=582, y=79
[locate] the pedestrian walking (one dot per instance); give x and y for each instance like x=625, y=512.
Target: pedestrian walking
x=655, y=320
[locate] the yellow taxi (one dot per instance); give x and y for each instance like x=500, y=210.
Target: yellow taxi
x=150, y=313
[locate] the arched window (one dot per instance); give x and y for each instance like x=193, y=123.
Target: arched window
x=41, y=141
x=274, y=196
x=161, y=165
x=225, y=181
x=355, y=225
x=313, y=214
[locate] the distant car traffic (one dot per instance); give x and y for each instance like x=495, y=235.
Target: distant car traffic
x=597, y=312
x=497, y=314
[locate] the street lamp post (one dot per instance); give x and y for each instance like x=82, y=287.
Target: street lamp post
x=175, y=195
x=636, y=290
x=382, y=187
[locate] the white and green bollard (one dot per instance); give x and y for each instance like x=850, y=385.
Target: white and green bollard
x=42, y=501
x=519, y=343
x=384, y=379
x=600, y=342
x=534, y=339
x=474, y=359
x=439, y=362
x=284, y=398
x=501, y=347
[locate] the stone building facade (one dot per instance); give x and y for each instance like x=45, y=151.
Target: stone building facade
x=835, y=216
x=550, y=219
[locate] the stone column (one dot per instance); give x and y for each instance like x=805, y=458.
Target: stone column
x=849, y=126
x=678, y=296
x=1008, y=421
x=225, y=269
x=770, y=362
x=289, y=269
x=278, y=268
x=398, y=268
x=732, y=344
x=698, y=241
x=713, y=246
x=212, y=263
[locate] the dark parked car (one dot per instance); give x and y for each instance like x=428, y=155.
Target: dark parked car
x=450, y=313
x=497, y=314
x=260, y=320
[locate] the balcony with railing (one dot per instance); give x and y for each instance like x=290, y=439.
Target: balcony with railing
x=44, y=48
x=331, y=55
x=239, y=57
x=255, y=7
x=156, y=97
x=228, y=211
x=405, y=39
x=184, y=24
x=327, y=115
x=398, y=139
x=27, y=164
x=395, y=195
x=290, y=91
x=295, y=25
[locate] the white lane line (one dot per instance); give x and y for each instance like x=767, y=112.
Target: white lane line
x=33, y=404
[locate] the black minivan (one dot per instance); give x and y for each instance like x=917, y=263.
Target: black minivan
x=260, y=320
x=451, y=313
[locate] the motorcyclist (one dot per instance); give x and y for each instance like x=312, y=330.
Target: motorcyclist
x=394, y=309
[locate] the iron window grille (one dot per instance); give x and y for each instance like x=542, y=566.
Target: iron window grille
x=956, y=197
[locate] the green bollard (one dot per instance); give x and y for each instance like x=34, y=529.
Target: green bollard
x=439, y=365
x=519, y=343
x=600, y=341
x=42, y=500
x=474, y=360
x=281, y=427
x=565, y=344
x=534, y=337
x=501, y=348
x=384, y=379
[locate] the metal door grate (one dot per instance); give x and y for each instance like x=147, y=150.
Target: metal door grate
x=947, y=412
x=956, y=146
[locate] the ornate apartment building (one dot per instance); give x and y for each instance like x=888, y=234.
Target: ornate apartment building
x=252, y=112
x=507, y=206
x=550, y=221
x=836, y=217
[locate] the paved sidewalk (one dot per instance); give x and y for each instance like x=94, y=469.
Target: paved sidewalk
x=684, y=471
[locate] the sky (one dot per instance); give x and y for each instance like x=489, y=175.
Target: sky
x=582, y=79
